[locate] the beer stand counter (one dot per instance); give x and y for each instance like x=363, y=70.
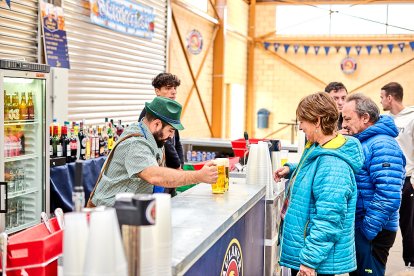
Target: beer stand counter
x=215, y=234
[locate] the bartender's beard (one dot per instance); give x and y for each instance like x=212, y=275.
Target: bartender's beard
x=158, y=138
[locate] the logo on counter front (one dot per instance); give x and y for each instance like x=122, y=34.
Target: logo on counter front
x=233, y=260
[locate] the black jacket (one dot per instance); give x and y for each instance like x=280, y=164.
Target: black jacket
x=174, y=157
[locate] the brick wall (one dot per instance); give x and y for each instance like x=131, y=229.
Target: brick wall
x=279, y=86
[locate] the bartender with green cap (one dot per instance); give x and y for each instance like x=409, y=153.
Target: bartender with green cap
x=135, y=164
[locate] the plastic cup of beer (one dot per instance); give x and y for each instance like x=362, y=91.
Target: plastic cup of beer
x=283, y=157
x=226, y=163
x=219, y=186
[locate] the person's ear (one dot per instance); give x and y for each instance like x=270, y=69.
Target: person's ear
x=157, y=91
x=318, y=122
x=365, y=118
x=158, y=124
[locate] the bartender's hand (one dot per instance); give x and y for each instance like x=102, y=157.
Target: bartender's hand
x=281, y=173
x=306, y=271
x=208, y=173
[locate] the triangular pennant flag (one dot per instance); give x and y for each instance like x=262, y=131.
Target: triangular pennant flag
x=369, y=47
x=379, y=47
x=401, y=46
x=327, y=48
x=266, y=45
x=286, y=47
x=348, y=49
x=8, y=3
x=337, y=48
x=306, y=49
x=276, y=46
x=296, y=48
x=316, y=49
x=390, y=47
x=412, y=45
x=358, y=49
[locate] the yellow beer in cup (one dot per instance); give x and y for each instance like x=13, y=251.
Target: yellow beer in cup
x=226, y=163
x=219, y=186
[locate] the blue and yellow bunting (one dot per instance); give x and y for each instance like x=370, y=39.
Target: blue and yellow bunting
x=348, y=49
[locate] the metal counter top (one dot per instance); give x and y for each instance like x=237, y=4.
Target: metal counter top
x=199, y=218
x=225, y=143
x=207, y=142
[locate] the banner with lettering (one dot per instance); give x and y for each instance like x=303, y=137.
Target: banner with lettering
x=54, y=35
x=123, y=16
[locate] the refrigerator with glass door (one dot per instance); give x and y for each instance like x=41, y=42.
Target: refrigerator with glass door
x=24, y=165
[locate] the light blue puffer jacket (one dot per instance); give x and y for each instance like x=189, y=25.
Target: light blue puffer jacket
x=380, y=180
x=318, y=230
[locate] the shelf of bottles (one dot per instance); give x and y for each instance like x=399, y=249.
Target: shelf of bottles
x=77, y=141
x=23, y=160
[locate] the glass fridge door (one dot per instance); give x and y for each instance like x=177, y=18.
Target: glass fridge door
x=23, y=147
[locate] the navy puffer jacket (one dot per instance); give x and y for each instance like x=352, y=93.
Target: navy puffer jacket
x=380, y=179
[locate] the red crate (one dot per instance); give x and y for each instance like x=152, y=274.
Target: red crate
x=232, y=162
x=35, y=250
x=239, y=145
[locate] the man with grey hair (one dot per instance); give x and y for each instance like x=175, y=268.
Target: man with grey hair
x=379, y=183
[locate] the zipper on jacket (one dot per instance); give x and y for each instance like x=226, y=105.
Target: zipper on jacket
x=290, y=196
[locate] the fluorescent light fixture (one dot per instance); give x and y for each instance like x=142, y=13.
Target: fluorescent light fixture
x=17, y=80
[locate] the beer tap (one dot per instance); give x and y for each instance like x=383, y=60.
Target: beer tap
x=78, y=195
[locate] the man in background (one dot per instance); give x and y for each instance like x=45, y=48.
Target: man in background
x=338, y=92
x=379, y=183
x=165, y=85
x=391, y=100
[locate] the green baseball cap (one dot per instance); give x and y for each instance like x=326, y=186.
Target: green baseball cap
x=167, y=110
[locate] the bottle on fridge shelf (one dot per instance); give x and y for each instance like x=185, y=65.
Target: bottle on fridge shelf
x=9, y=177
x=82, y=141
x=73, y=145
x=21, y=179
x=30, y=107
x=15, y=106
x=20, y=211
x=10, y=109
x=57, y=143
x=14, y=144
x=21, y=138
x=66, y=150
x=6, y=106
x=24, y=114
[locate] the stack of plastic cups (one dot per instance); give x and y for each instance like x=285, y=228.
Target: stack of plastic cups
x=251, y=173
x=147, y=251
x=163, y=234
x=265, y=168
x=75, y=238
x=104, y=253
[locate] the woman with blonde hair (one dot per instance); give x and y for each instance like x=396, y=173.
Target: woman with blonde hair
x=317, y=233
